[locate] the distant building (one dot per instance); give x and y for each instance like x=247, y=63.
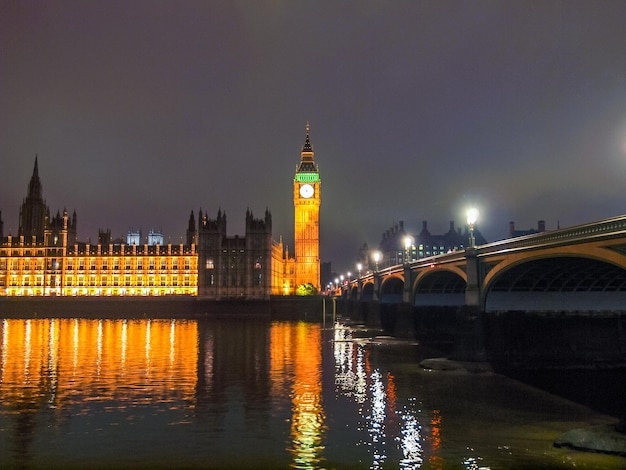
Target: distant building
x=155, y=237
x=395, y=251
x=392, y=244
x=104, y=236
x=428, y=244
x=541, y=227
x=326, y=273
x=133, y=237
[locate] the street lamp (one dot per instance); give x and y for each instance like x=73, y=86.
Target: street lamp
x=377, y=255
x=472, y=216
x=359, y=267
x=408, y=243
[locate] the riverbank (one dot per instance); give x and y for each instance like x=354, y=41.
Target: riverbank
x=278, y=308
x=604, y=438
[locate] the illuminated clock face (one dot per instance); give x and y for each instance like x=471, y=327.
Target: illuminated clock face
x=306, y=191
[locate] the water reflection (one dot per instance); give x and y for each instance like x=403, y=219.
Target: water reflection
x=245, y=392
x=296, y=355
x=388, y=428
x=62, y=368
x=61, y=360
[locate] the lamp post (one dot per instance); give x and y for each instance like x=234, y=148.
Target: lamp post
x=408, y=242
x=359, y=267
x=472, y=347
x=472, y=216
x=377, y=257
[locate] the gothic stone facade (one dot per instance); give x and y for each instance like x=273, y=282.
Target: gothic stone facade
x=233, y=267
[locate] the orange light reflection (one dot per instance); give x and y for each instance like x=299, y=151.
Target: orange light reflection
x=296, y=368
x=66, y=361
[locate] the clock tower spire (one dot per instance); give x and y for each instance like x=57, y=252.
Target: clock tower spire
x=306, y=200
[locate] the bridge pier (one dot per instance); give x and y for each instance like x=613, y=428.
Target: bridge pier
x=457, y=331
x=435, y=326
x=472, y=289
x=368, y=313
x=469, y=335
x=398, y=319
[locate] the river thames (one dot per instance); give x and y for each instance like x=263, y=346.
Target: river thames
x=248, y=392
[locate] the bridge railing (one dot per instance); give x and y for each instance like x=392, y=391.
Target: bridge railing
x=607, y=228
x=386, y=267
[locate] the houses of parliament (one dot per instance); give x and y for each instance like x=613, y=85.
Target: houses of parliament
x=46, y=259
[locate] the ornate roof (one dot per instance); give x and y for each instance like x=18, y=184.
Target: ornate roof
x=307, y=163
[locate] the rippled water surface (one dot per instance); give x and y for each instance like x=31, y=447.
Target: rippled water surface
x=249, y=393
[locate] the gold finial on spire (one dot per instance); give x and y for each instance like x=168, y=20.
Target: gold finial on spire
x=308, y=128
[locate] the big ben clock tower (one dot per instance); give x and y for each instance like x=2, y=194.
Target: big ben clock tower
x=306, y=201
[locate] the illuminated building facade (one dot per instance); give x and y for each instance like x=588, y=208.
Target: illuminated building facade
x=46, y=258
x=81, y=269
x=307, y=200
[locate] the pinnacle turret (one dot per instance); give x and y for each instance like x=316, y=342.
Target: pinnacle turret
x=34, y=186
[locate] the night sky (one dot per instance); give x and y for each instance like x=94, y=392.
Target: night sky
x=142, y=111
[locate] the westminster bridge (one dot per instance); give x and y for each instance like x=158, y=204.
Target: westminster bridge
x=556, y=293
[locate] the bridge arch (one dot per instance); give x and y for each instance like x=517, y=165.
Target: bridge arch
x=353, y=292
x=558, y=280
x=440, y=286
x=391, y=289
x=367, y=293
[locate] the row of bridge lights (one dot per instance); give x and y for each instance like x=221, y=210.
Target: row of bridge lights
x=377, y=256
